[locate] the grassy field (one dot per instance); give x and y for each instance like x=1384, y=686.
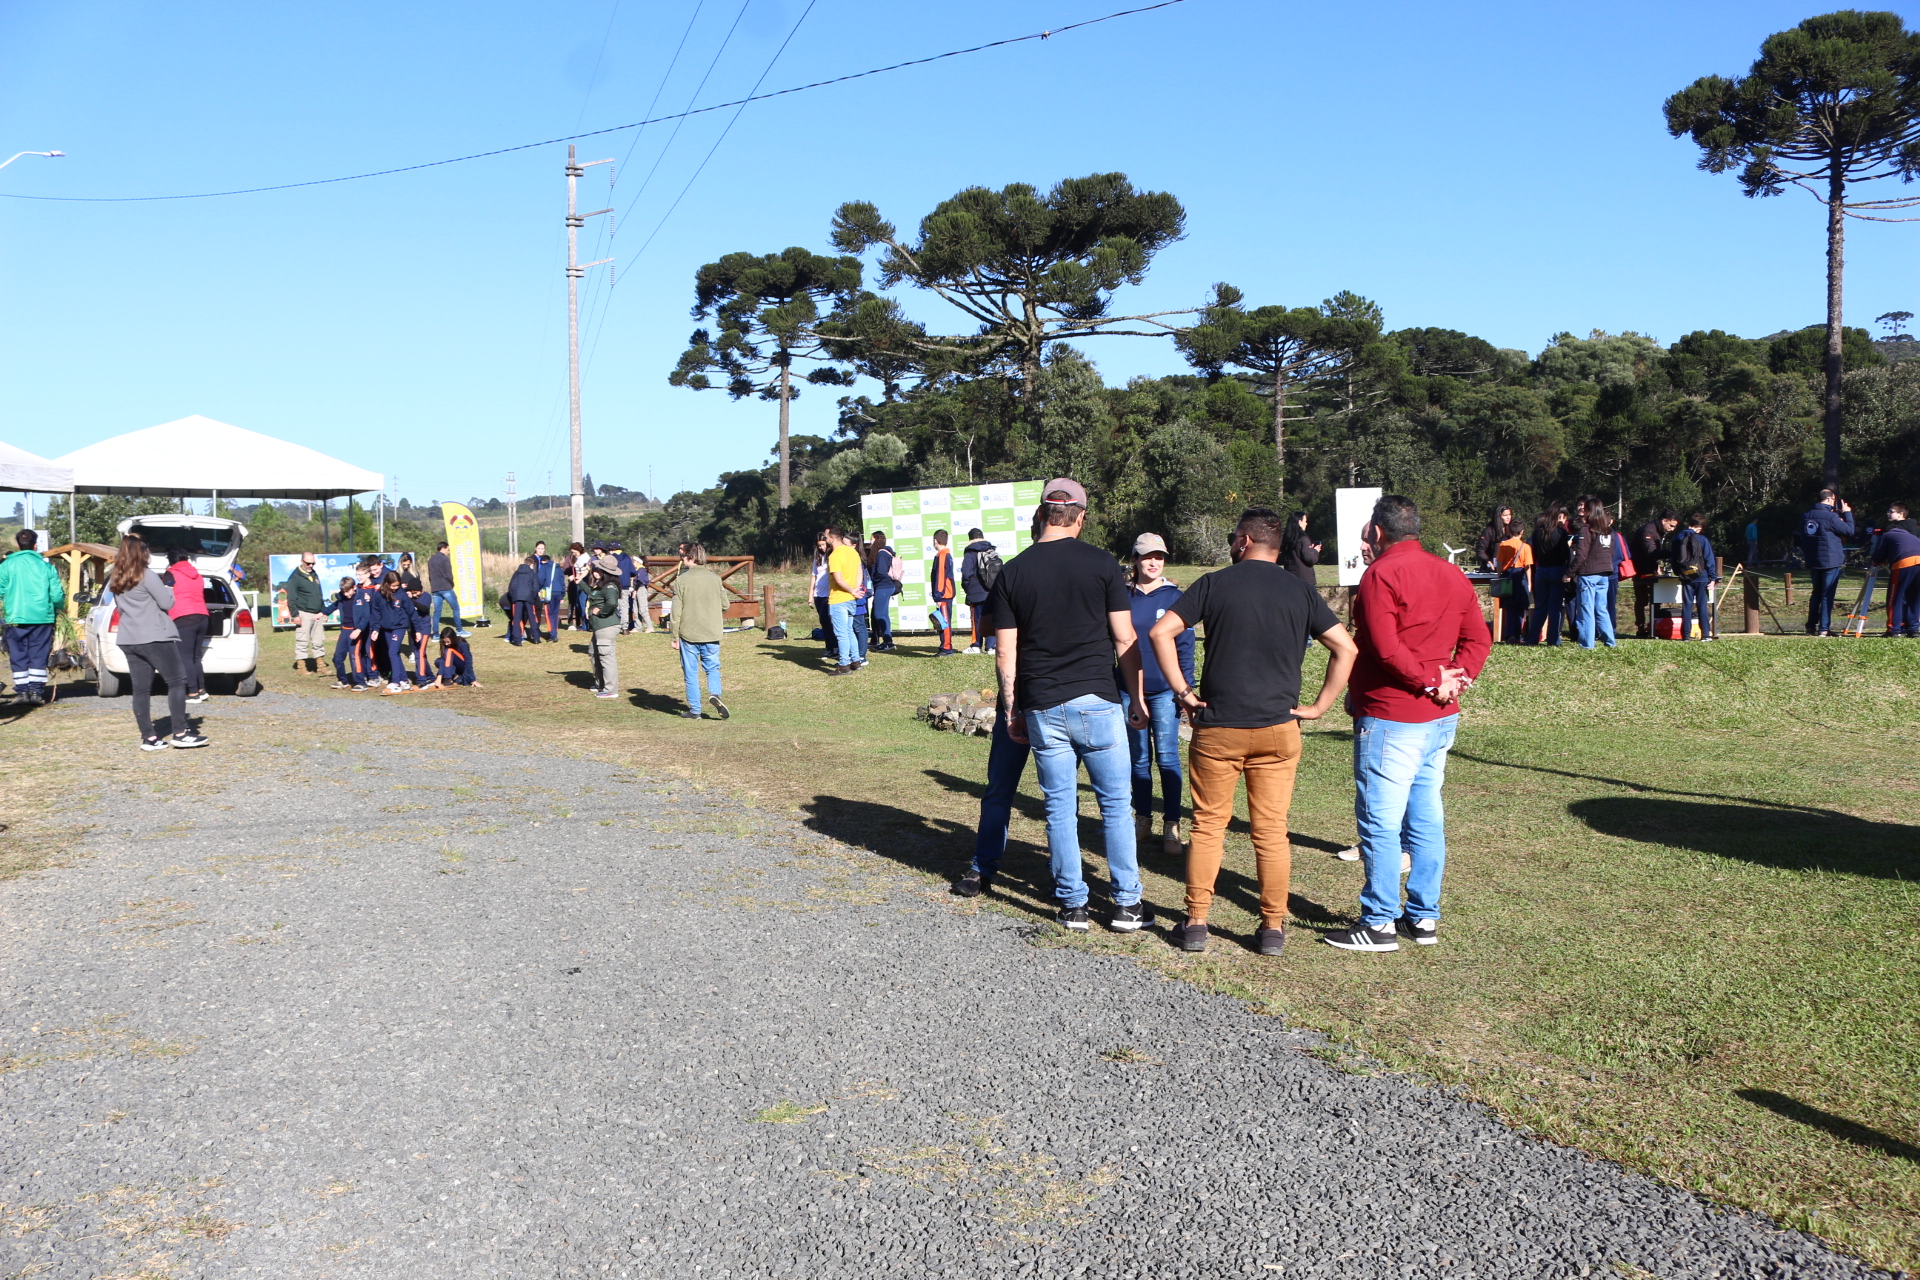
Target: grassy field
x=1680, y=929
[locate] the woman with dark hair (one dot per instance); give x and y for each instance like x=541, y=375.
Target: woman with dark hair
x=456, y=661
x=148, y=638
x=190, y=619
x=390, y=608
x=1550, y=544
x=1512, y=558
x=1591, y=564
x=1298, y=553
x=1496, y=532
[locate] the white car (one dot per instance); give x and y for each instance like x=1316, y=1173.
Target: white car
x=233, y=651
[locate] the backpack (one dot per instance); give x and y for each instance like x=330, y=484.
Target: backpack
x=1689, y=562
x=896, y=568
x=986, y=567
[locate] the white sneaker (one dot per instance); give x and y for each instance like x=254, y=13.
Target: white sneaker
x=1349, y=854
x=1170, y=837
x=972, y=648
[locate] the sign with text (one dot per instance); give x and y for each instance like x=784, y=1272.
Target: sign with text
x=910, y=517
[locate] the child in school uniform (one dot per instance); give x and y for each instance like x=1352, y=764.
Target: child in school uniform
x=456, y=662
x=390, y=609
x=347, y=673
x=940, y=590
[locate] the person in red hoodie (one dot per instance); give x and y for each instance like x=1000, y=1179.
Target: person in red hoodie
x=189, y=614
x=1423, y=642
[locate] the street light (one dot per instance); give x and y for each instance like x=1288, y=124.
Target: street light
x=10, y=159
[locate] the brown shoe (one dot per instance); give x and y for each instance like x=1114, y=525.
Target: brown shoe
x=1270, y=942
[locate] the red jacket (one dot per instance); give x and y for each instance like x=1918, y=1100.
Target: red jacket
x=1414, y=613
x=189, y=590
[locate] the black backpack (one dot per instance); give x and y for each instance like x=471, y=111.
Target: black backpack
x=986, y=567
x=1689, y=561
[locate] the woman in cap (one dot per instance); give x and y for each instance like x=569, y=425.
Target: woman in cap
x=1150, y=596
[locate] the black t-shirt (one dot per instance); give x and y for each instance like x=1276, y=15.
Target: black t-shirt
x=1059, y=594
x=1258, y=619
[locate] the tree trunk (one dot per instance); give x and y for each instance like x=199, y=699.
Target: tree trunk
x=1836, y=261
x=786, y=492
x=1280, y=430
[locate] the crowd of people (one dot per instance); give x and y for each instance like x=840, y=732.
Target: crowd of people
x=1096, y=670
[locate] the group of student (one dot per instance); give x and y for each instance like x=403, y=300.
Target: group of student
x=870, y=575
x=546, y=596
x=1568, y=567
x=386, y=635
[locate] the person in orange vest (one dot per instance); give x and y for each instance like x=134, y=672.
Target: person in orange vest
x=940, y=590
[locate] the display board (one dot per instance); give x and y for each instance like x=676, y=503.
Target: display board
x=331, y=566
x=1352, y=510
x=463, y=550
x=910, y=517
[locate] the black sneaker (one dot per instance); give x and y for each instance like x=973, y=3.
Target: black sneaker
x=691, y=715
x=154, y=744
x=1135, y=915
x=1188, y=937
x=719, y=707
x=188, y=739
x=1424, y=932
x=1361, y=938
x=971, y=885
x=1073, y=918
x=1270, y=942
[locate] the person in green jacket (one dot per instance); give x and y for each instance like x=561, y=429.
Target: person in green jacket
x=696, y=624
x=30, y=592
x=603, y=619
x=307, y=602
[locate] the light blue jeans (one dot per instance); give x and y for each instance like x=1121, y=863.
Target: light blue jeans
x=451, y=602
x=1398, y=769
x=1088, y=730
x=692, y=658
x=844, y=643
x=1158, y=743
x=1590, y=612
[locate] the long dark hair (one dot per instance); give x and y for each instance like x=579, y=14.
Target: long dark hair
x=1291, y=532
x=129, y=564
x=389, y=583
x=1502, y=529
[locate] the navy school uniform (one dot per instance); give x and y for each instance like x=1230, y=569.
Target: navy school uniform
x=390, y=620
x=420, y=625
x=456, y=663
x=346, y=650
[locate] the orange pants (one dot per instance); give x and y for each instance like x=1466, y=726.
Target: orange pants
x=1269, y=757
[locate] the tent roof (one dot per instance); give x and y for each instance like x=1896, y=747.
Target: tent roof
x=196, y=457
x=23, y=472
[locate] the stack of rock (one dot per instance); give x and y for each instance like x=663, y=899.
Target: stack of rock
x=968, y=711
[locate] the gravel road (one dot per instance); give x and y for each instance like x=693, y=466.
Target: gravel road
x=413, y=1010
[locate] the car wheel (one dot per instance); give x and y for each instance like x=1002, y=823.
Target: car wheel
x=107, y=684
x=247, y=686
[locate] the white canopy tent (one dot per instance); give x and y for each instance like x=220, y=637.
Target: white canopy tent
x=25, y=472
x=196, y=457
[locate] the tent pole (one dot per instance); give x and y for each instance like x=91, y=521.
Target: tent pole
x=326, y=537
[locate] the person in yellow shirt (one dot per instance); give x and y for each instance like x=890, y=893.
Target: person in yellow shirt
x=844, y=586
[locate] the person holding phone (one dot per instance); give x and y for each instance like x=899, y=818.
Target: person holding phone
x=1821, y=532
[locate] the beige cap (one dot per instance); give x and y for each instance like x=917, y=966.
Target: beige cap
x=1149, y=544
x=1060, y=484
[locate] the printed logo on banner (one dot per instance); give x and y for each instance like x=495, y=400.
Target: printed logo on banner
x=995, y=495
x=997, y=520
x=331, y=566
x=906, y=502
x=935, y=500
x=913, y=594
x=1007, y=544
x=965, y=497
x=911, y=547
x=876, y=504
x=907, y=526
x=1026, y=493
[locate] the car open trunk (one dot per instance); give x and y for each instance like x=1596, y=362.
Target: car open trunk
x=211, y=542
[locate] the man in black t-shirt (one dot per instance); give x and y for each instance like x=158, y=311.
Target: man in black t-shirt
x=1061, y=612
x=1258, y=619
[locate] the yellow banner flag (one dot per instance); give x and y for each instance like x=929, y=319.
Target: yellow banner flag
x=463, y=548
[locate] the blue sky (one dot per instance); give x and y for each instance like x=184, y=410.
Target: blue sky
x=1499, y=168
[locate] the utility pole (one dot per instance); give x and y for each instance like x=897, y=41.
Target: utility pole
x=575, y=270
x=513, y=520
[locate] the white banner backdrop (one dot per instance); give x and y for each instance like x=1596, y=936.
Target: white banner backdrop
x=1352, y=509
x=910, y=517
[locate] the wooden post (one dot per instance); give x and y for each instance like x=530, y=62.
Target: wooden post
x=767, y=617
x=1786, y=576
x=1752, y=602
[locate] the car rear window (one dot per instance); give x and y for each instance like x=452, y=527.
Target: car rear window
x=217, y=590
x=195, y=542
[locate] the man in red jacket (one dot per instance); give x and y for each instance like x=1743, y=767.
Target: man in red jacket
x=1423, y=642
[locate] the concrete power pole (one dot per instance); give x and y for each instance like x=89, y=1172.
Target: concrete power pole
x=513, y=520
x=575, y=270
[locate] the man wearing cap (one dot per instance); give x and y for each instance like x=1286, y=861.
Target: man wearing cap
x=1061, y=613
x=603, y=619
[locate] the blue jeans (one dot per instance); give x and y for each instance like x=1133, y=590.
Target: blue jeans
x=1398, y=768
x=448, y=600
x=1006, y=761
x=882, y=615
x=860, y=638
x=692, y=658
x=1159, y=740
x=1693, y=604
x=843, y=642
x=1087, y=729
x=1590, y=616
x=1903, y=601
x=1548, y=584
x=1820, y=603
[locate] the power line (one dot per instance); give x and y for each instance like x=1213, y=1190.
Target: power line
x=594, y=133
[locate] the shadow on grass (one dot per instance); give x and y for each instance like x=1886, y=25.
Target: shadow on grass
x=647, y=700
x=1786, y=836
x=1840, y=1127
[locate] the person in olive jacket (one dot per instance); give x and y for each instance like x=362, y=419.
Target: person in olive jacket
x=30, y=592
x=307, y=602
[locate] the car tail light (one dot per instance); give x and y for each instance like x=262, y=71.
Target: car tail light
x=243, y=623
x=113, y=623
